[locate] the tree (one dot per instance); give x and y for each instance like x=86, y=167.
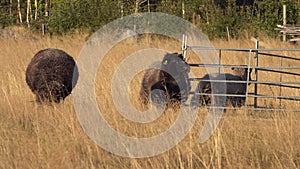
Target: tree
x=19, y=12
x=28, y=13
x=35, y=9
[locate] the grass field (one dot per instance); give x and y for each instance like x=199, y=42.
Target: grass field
x=36, y=135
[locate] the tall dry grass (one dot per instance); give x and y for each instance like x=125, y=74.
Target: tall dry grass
x=49, y=135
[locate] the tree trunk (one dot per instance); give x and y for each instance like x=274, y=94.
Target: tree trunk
x=36, y=9
x=46, y=8
x=19, y=12
x=47, y=3
x=121, y=4
x=182, y=8
x=137, y=5
x=10, y=8
x=28, y=13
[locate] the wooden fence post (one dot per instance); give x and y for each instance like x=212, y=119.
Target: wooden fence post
x=284, y=23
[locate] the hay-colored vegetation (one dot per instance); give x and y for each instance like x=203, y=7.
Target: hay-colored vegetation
x=49, y=135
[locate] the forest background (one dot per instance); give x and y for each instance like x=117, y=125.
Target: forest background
x=216, y=18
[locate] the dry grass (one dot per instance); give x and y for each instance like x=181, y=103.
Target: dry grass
x=50, y=136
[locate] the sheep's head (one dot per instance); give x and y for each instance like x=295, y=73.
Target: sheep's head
x=174, y=64
x=242, y=72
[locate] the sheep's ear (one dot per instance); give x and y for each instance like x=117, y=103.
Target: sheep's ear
x=180, y=56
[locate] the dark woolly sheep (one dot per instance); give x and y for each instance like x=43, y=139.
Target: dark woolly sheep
x=50, y=75
x=167, y=79
x=239, y=74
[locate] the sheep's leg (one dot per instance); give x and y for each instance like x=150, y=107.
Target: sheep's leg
x=184, y=93
x=40, y=97
x=54, y=91
x=240, y=101
x=236, y=101
x=196, y=98
x=159, y=94
x=201, y=100
x=144, y=96
x=205, y=87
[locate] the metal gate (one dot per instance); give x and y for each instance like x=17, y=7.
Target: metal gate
x=267, y=93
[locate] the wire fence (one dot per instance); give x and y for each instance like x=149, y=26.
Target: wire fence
x=261, y=70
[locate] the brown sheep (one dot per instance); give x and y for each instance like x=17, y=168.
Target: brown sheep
x=239, y=74
x=50, y=75
x=170, y=78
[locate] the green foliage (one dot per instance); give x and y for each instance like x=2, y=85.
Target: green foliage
x=65, y=16
x=6, y=16
x=74, y=15
x=213, y=17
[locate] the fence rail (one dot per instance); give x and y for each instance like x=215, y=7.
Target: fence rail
x=242, y=49
x=250, y=95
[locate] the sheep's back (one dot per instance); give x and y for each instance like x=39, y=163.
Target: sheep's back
x=50, y=65
x=151, y=77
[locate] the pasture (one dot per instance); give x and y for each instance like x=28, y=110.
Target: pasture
x=49, y=135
